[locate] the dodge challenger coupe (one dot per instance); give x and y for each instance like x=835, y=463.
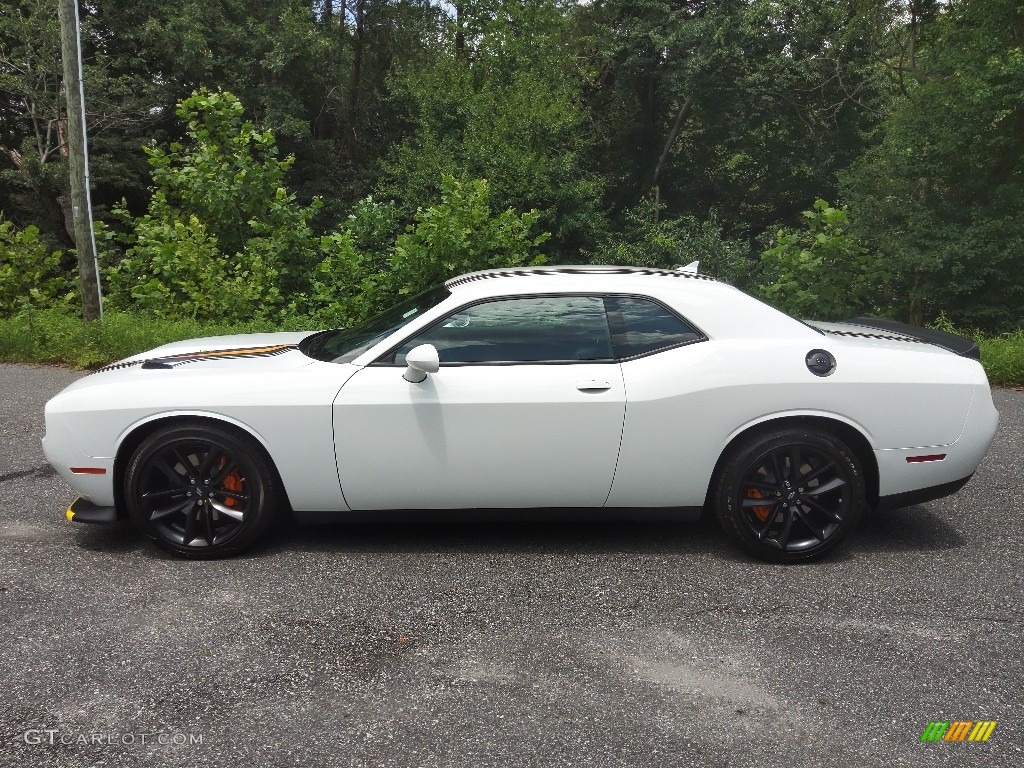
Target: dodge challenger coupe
x=538, y=388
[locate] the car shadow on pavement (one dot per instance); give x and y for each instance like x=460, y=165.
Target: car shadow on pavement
x=441, y=532
x=121, y=536
x=910, y=529
x=913, y=529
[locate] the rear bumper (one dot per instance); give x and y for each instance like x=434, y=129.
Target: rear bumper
x=921, y=496
x=916, y=475
x=84, y=511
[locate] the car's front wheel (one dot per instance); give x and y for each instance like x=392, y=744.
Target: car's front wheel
x=790, y=494
x=201, y=491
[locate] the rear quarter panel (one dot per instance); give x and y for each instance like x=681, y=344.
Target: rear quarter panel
x=684, y=406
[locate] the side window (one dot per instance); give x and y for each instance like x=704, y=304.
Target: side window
x=526, y=330
x=640, y=326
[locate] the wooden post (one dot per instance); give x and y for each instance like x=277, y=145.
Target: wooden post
x=81, y=209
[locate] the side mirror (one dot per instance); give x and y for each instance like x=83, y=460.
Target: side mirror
x=421, y=361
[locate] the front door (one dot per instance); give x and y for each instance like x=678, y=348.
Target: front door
x=526, y=411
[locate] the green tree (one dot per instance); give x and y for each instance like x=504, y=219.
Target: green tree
x=500, y=100
x=33, y=147
x=940, y=195
x=362, y=273
x=222, y=238
x=744, y=109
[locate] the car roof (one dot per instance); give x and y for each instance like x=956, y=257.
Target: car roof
x=718, y=308
x=585, y=279
x=578, y=271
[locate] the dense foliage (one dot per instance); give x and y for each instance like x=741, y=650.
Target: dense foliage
x=941, y=196
x=319, y=158
x=30, y=273
x=822, y=270
x=224, y=240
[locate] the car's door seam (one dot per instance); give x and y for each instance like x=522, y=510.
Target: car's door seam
x=622, y=432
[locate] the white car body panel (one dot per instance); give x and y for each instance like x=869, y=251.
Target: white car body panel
x=480, y=436
x=671, y=388
x=280, y=400
x=522, y=435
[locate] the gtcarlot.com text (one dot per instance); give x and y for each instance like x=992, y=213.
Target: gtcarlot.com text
x=54, y=736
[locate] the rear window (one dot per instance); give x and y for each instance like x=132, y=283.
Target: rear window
x=641, y=326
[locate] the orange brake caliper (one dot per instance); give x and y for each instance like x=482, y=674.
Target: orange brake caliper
x=761, y=512
x=232, y=482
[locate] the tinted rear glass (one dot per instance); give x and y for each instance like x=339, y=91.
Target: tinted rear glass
x=640, y=326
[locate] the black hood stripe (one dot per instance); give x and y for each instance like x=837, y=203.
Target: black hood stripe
x=173, y=361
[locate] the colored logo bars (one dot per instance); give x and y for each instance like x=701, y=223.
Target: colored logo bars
x=959, y=730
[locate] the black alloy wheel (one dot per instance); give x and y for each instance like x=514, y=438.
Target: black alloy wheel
x=201, y=491
x=790, y=495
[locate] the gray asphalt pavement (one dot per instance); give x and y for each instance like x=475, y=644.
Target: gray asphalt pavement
x=502, y=644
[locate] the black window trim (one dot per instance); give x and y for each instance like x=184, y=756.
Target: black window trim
x=381, y=361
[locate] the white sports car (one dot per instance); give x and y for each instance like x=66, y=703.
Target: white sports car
x=549, y=387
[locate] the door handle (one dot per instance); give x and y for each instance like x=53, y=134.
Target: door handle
x=594, y=385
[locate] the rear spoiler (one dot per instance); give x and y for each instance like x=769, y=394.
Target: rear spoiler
x=961, y=345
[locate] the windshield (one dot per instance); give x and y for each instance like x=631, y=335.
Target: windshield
x=346, y=344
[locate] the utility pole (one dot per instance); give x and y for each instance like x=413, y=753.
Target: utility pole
x=78, y=160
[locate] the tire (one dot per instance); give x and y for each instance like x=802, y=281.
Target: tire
x=201, y=491
x=783, y=516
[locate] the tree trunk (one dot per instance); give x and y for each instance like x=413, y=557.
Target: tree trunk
x=460, y=38
x=677, y=126
x=357, y=66
x=916, y=303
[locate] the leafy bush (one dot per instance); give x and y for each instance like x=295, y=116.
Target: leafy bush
x=175, y=270
x=362, y=274
x=460, y=234
x=822, y=271
x=30, y=273
x=222, y=238
x=349, y=282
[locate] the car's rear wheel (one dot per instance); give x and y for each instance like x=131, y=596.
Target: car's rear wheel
x=791, y=494
x=201, y=491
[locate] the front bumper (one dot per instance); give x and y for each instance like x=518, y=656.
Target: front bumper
x=62, y=452
x=84, y=511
